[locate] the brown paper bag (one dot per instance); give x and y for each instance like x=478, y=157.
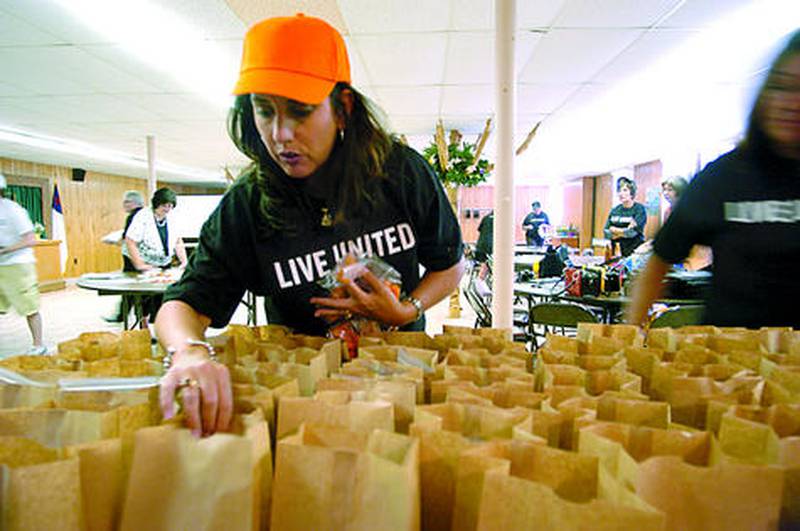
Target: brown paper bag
x=102, y=479
x=16, y=396
x=357, y=415
x=484, y=422
x=180, y=482
x=37, y=489
x=636, y=412
x=711, y=498
x=332, y=478
x=402, y=395
x=438, y=469
x=510, y=502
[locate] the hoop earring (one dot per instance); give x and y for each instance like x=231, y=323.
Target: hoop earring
x=341, y=135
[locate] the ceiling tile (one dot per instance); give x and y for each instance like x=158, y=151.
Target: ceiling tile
x=471, y=56
x=473, y=99
x=409, y=100
x=543, y=99
x=472, y=15
x=575, y=55
x=395, y=16
x=702, y=13
x=613, y=13
x=643, y=54
x=403, y=59
x=413, y=124
x=32, y=69
x=538, y=14
x=51, y=18
x=15, y=31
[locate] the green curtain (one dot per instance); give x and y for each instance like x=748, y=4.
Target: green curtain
x=30, y=197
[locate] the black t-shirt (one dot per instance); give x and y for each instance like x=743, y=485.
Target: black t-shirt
x=621, y=218
x=536, y=220
x=127, y=263
x=748, y=212
x=485, y=244
x=414, y=226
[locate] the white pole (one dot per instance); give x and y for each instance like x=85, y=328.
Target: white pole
x=505, y=101
x=151, y=166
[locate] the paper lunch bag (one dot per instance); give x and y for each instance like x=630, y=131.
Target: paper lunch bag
x=329, y=478
x=220, y=482
x=356, y=415
x=38, y=489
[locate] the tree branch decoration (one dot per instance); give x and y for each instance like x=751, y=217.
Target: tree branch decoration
x=456, y=161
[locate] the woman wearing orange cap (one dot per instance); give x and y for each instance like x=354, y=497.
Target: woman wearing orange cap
x=326, y=179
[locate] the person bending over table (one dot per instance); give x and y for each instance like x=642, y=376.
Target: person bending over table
x=626, y=221
x=325, y=177
x=150, y=245
x=746, y=206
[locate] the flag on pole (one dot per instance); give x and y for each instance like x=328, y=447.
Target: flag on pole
x=59, y=231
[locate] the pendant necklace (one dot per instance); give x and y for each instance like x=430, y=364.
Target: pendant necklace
x=326, y=220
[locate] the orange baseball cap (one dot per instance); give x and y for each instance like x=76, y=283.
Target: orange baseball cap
x=298, y=57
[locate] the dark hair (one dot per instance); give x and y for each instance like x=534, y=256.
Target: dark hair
x=756, y=139
x=677, y=183
x=163, y=196
x=624, y=181
x=536, y=204
x=359, y=156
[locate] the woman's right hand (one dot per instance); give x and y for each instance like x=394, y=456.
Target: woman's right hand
x=203, y=388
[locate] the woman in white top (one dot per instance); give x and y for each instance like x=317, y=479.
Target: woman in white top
x=148, y=242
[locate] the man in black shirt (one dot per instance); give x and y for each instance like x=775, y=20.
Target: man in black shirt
x=532, y=222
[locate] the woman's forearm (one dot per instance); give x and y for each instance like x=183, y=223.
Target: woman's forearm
x=646, y=289
x=436, y=285
x=180, y=252
x=176, y=322
x=133, y=253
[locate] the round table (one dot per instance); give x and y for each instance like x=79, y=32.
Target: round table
x=133, y=287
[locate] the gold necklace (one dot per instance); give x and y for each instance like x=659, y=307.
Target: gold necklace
x=326, y=220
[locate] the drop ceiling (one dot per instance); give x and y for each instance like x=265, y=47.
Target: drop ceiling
x=420, y=60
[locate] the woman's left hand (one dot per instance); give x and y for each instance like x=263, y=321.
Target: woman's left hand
x=379, y=303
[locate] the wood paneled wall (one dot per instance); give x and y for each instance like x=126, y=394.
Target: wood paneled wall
x=648, y=183
x=481, y=198
x=92, y=209
x=604, y=199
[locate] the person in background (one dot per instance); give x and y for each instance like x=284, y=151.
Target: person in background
x=326, y=179
x=132, y=202
x=535, y=219
x=149, y=243
x=485, y=244
x=626, y=221
x=672, y=188
x=19, y=285
x=746, y=206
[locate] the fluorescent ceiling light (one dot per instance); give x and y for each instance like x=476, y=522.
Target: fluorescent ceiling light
x=161, y=39
x=82, y=149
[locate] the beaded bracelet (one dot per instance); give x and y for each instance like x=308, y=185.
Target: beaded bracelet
x=212, y=354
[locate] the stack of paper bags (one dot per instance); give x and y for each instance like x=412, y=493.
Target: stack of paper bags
x=334, y=408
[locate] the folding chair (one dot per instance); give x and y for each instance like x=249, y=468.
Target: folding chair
x=678, y=316
x=481, y=304
x=550, y=316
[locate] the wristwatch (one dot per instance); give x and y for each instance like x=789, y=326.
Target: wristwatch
x=417, y=304
x=212, y=354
